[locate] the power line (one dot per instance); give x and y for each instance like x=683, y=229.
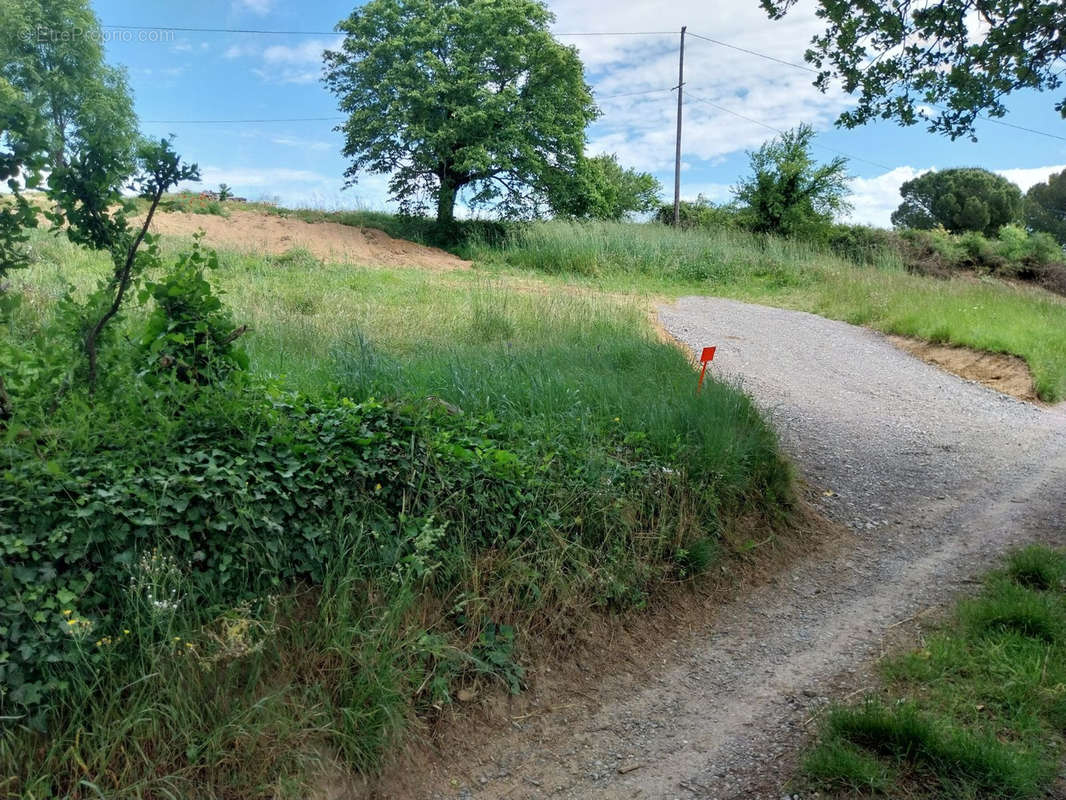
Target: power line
x=779, y=131
x=752, y=52
x=212, y=121
x=272, y=32
x=995, y=121
x=719, y=42
x=794, y=65
x=632, y=94
x=333, y=119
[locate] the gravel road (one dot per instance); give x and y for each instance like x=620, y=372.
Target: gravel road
x=934, y=477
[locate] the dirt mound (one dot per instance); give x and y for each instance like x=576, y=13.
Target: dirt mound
x=1004, y=373
x=329, y=241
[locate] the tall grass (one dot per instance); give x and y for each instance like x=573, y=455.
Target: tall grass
x=627, y=479
x=715, y=257
x=985, y=314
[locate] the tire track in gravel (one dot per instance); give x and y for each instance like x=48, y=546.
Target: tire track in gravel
x=934, y=476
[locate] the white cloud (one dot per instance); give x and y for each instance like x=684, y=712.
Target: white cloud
x=309, y=52
x=874, y=199
x=238, y=51
x=640, y=128
x=286, y=75
x=259, y=177
x=1026, y=177
x=715, y=192
x=301, y=63
x=304, y=144
x=298, y=188
x=255, y=6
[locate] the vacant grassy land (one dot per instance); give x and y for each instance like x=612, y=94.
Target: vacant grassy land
x=232, y=591
x=978, y=711
x=984, y=314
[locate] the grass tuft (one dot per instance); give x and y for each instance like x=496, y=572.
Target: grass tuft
x=1007, y=607
x=840, y=765
x=1039, y=568
x=978, y=711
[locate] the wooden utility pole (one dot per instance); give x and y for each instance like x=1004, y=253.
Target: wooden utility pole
x=677, y=155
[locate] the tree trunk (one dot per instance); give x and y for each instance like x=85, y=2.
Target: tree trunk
x=446, y=202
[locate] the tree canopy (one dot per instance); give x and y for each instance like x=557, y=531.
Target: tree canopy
x=59, y=103
x=1045, y=207
x=959, y=56
x=460, y=94
x=604, y=189
x=788, y=192
x=52, y=56
x=960, y=199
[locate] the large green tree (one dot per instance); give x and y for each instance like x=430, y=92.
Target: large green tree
x=21, y=160
x=60, y=103
x=1045, y=207
x=961, y=56
x=455, y=95
x=51, y=54
x=788, y=192
x=960, y=199
x=603, y=189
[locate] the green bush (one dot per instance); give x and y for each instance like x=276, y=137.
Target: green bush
x=702, y=213
x=193, y=203
x=246, y=495
x=189, y=334
x=863, y=244
x=249, y=493
x=1014, y=253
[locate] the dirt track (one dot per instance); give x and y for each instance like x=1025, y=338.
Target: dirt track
x=934, y=477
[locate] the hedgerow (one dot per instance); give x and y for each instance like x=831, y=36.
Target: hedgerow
x=251, y=492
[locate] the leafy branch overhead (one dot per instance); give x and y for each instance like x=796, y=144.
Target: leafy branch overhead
x=963, y=57
x=460, y=95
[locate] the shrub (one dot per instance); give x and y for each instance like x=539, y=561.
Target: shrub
x=247, y=492
x=1015, y=253
x=246, y=495
x=189, y=334
x=863, y=244
x=193, y=203
x=702, y=213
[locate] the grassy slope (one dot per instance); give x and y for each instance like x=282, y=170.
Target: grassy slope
x=335, y=679
x=982, y=314
x=977, y=711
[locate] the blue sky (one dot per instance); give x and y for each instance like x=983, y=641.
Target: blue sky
x=212, y=76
